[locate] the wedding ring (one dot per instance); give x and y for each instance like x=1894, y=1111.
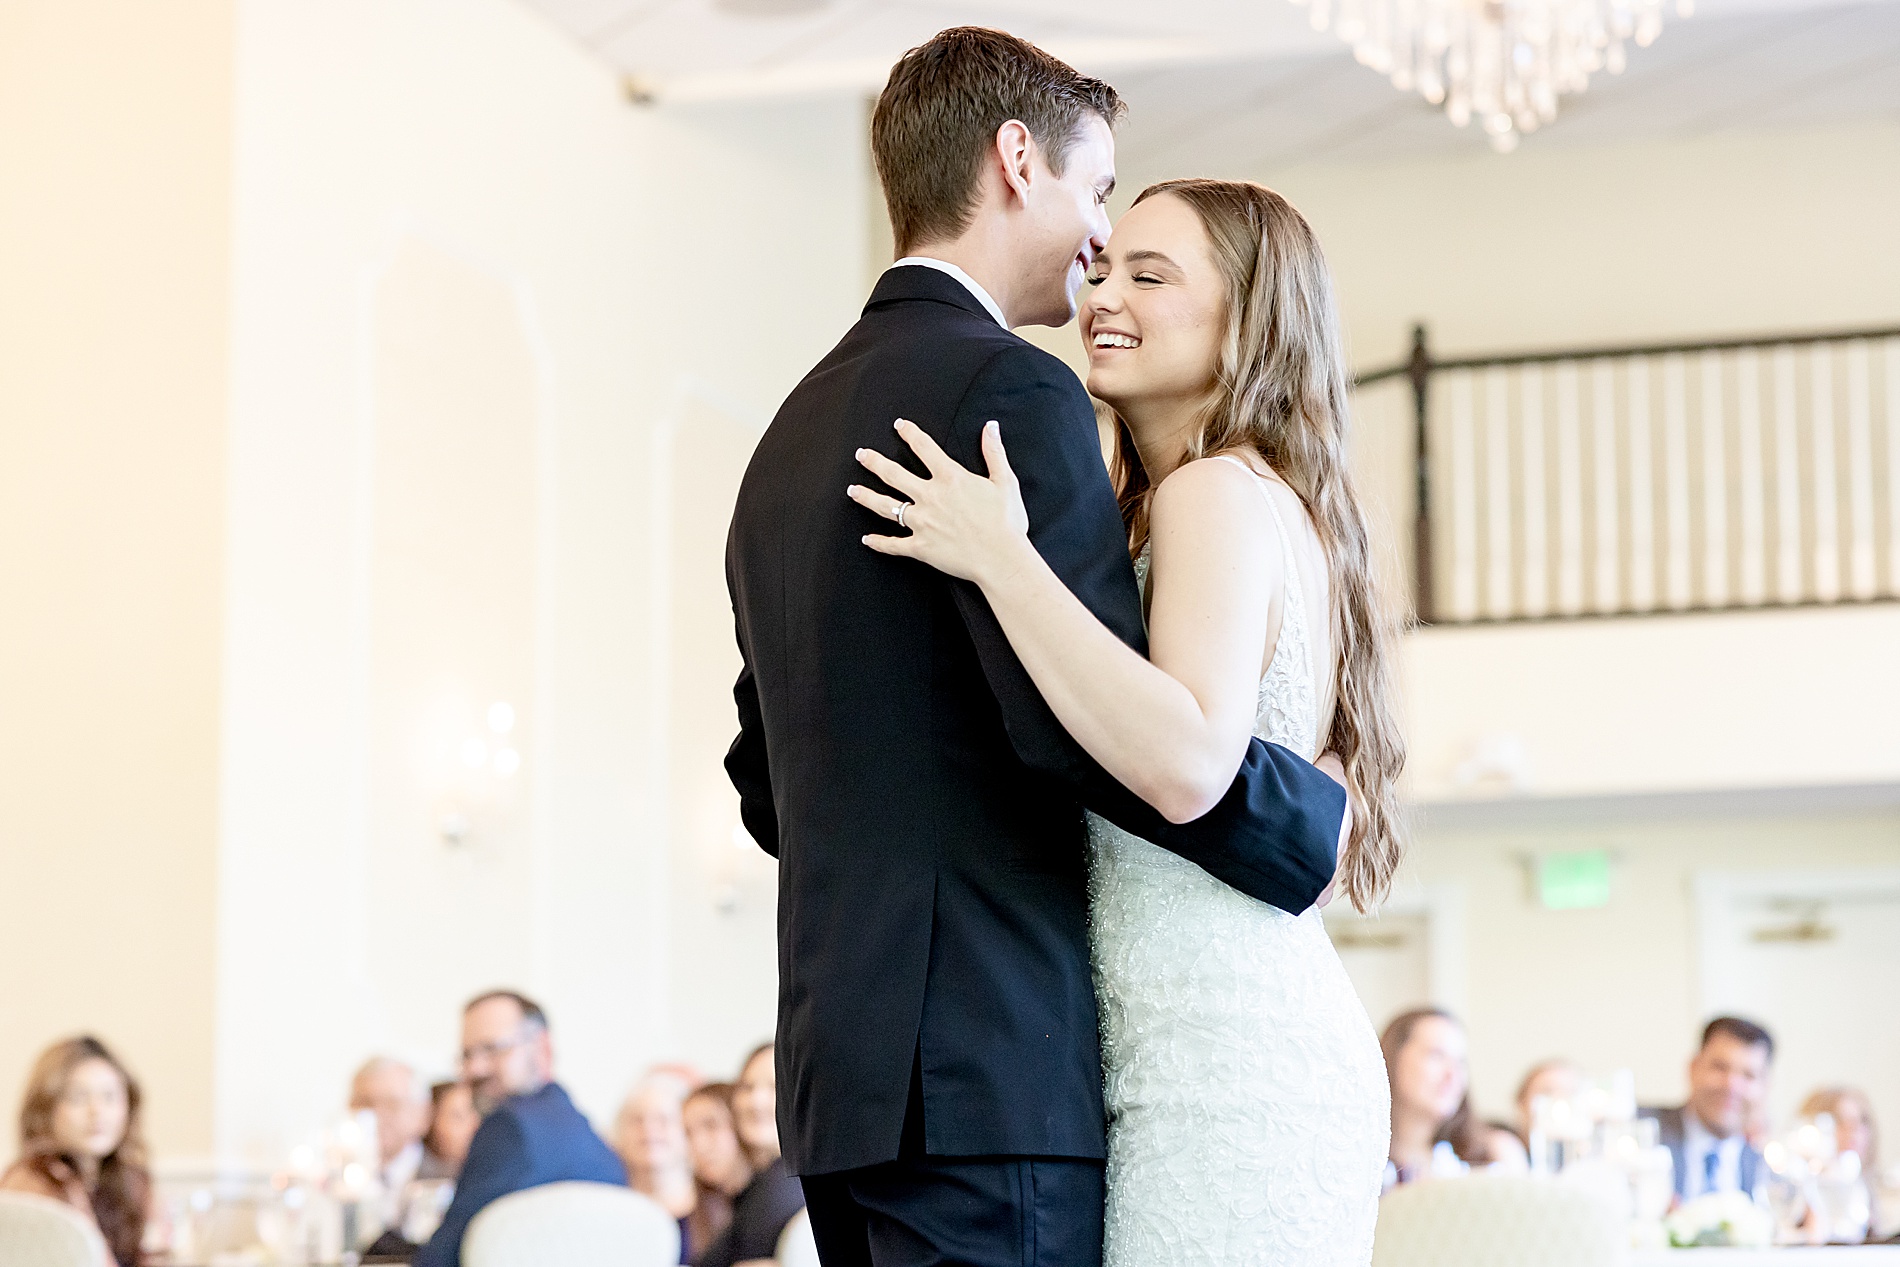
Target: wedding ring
x=901, y=508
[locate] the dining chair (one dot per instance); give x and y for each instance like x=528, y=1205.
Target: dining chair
x=567, y=1224
x=48, y=1233
x=1498, y=1221
x=796, y=1246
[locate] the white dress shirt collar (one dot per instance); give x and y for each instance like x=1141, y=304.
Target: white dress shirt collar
x=1698, y=1141
x=969, y=282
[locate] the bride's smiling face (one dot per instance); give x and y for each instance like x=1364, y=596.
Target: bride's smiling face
x=1156, y=311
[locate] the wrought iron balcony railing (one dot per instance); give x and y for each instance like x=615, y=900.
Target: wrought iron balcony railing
x=1620, y=480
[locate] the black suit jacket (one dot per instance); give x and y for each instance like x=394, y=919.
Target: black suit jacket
x=924, y=803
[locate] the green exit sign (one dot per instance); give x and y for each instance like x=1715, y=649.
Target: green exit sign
x=1574, y=881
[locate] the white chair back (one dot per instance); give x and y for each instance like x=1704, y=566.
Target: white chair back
x=48, y=1233
x=1498, y=1221
x=572, y=1225
x=796, y=1246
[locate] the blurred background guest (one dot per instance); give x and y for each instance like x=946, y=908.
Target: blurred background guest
x=650, y=1136
x=452, y=1124
x=721, y=1169
x=531, y=1133
x=1728, y=1086
x=772, y=1197
x=80, y=1143
x=1435, y=1132
x=390, y=1090
x=1557, y=1079
x=1856, y=1133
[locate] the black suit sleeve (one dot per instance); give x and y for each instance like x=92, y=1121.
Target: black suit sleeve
x=1274, y=834
x=746, y=764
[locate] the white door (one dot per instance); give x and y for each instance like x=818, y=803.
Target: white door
x=1388, y=959
x=1815, y=957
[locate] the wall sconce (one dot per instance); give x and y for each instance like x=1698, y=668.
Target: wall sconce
x=489, y=763
x=1499, y=764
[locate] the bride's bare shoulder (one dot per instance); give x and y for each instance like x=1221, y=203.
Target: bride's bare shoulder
x=1211, y=511
x=1218, y=476
x=1212, y=491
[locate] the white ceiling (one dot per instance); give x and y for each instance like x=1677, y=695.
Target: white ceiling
x=1753, y=70
x=700, y=48
x=1247, y=85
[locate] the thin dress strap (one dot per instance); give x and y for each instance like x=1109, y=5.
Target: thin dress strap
x=1295, y=592
x=1292, y=647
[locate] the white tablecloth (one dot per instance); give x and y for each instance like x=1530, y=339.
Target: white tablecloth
x=1827, y=1256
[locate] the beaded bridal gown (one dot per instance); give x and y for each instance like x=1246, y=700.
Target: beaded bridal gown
x=1247, y=1100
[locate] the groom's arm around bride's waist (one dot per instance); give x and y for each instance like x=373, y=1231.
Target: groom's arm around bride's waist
x=1274, y=835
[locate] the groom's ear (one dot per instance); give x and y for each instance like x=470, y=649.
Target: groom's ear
x=1015, y=156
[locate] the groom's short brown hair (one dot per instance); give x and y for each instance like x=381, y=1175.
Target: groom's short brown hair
x=940, y=111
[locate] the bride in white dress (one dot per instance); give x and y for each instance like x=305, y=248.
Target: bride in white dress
x=1246, y=1096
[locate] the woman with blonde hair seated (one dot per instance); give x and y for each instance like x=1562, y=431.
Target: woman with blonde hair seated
x=1855, y=1132
x=80, y=1143
x=650, y=1136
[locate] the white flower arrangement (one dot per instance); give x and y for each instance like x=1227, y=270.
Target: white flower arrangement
x=1721, y=1218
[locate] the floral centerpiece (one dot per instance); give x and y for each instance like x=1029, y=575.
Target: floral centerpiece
x=1720, y=1218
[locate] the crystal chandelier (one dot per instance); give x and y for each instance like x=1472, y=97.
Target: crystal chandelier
x=1502, y=62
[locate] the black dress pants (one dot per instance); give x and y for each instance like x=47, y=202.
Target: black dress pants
x=923, y=1211
x=960, y=1212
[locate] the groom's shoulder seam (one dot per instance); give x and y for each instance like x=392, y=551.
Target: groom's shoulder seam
x=1040, y=367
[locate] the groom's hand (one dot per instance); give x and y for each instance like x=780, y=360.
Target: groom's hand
x=1333, y=768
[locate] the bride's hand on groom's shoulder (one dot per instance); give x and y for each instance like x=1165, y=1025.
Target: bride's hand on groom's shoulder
x=968, y=525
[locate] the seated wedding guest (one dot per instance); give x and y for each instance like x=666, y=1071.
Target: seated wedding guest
x=1855, y=1132
x=1435, y=1132
x=1728, y=1085
x=1547, y=1080
x=768, y=1202
x=531, y=1133
x=80, y=1143
x=650, y=1136
x=452, y=1123
x=391, y=1091
x=721, y=1169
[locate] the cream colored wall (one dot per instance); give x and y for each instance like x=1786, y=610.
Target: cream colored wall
x=1557, y=245
x=1654, y=704
x=113, y=318
x=503, y=342
x=763, y=272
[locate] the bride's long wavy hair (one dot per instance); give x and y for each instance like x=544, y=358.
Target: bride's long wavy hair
x=1281, y=390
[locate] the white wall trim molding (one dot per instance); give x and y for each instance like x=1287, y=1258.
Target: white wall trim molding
x=1514, y=812
x=404, y=228
x=1447, y=962
x=688, y=389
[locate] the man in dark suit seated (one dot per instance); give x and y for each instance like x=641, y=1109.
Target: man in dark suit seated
x=531, y=1133
x=1728, y=1081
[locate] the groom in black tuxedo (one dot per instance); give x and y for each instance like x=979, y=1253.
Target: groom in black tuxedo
x=939, y=1076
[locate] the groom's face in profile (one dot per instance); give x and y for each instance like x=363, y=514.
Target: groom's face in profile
x=1069, y=224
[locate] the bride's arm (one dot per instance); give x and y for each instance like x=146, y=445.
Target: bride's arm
x=1174, y=730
